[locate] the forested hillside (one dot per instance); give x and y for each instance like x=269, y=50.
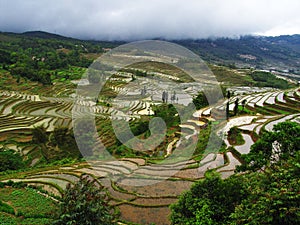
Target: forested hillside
x=281, y=52
x=44, y=57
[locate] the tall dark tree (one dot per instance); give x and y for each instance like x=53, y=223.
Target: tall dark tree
x=227, y=110
x=236, y=107
x=228, y=94
x=244, y=103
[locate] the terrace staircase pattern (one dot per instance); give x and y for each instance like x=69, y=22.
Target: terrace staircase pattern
x=140, y=187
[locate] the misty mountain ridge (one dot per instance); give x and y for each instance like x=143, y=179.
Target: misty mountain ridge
x=261, y=52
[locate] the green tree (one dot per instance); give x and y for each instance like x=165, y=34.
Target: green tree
x=236, y=106
x=266, y=79
x=227, y=110
x=273, y=147
x=269, y=196
x=244, y=104
x=10, y=160
x=44, y=77
x=39, y=135
x=200, y=101
x=168, y=113
x=86, y=202
x=215, y=196
x=63, y=140
x=274, y=196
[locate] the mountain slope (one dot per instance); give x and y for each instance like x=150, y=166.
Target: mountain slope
x=281, y=52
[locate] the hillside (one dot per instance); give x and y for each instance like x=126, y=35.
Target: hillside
x=53, y=129
x=281, y=52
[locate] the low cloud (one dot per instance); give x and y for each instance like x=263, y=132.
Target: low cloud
x=144, y=19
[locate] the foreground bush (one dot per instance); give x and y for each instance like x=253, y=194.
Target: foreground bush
x=86, y=203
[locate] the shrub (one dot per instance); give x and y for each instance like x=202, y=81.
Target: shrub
x=86, y=203
x=10, y=160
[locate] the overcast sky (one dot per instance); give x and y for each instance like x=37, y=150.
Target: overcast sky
x=146, y=19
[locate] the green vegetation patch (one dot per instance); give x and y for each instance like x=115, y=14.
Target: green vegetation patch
x=235, y=136
x=231, y=77
x=27, y=203
x=266, y=79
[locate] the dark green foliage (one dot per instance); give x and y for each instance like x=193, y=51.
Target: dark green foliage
x=24, y=70
x=56, y=145
x=265, y=79
x=235, y=136
x=4, y=57
x=274, y=196
x=38, y=57
x=62, y=138
x=216, y=196
x=270, y=197
x=10, y=160
x=200, y=101
x=273, y=147
x=140, y=127
x=236, y=107
x=266, y=197
x=39, y=135
x=168, y=113
x=86, y=202
x=6, y=208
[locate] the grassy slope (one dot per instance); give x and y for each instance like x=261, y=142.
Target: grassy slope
x=29, y=207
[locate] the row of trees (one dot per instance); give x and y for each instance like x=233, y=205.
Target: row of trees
x=236, y=106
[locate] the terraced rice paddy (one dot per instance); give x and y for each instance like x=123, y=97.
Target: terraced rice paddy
x=142, y=189
x=271, y=108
